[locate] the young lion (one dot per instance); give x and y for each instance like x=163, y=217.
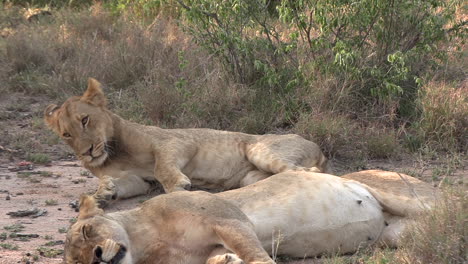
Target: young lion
x=295, y=213
x=125, y=155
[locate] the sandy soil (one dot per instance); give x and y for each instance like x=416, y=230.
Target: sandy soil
x=66, y=183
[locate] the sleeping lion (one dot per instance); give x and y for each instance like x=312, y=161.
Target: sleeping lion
x=126, y=156
x=295, y=213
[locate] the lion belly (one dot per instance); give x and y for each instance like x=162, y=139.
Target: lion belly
x=307, y=214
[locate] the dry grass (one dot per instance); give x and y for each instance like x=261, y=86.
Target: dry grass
x=444, y=115
x=152, y=73
x=440, y=235
x=156, y=74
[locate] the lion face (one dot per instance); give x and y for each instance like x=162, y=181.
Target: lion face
x=95, y=239
x=85, y=124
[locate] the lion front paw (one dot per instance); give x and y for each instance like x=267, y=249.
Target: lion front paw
x=227, y=258
x=182, y=185
x=106, y=192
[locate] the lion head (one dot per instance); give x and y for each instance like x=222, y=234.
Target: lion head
x=95, y=238
x=84, y=123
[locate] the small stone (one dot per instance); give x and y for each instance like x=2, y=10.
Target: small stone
x=19, y=193
x=359, y=201
x=74, y=204
x=8, y=197
x=60, y=209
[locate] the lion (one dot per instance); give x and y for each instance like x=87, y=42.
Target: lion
x=126, y=156
x=295, y=213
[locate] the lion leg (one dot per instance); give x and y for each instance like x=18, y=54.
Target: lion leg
x=268, y=161
x=276, y=154
x=253, y=177
x=119, y=188
x=395, y=226
x=172, y=179
x=240, y=239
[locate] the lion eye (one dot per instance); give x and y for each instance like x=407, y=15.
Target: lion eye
x=66, y=135
x=85, y=120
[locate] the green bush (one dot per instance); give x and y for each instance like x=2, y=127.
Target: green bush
x=381, y=48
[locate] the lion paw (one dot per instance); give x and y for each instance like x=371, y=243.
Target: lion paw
x=183, y=185
x=227, y=258
x=106, y=192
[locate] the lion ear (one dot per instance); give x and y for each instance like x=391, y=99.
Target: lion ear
x=86, y=231
x=50, y=115
x=94, y=94
x=88, y=207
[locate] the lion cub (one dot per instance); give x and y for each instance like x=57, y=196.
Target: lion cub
x=127, y=156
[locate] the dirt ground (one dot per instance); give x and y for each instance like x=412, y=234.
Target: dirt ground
x=55, y=179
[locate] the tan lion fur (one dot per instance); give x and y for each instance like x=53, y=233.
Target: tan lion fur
x=126, y=155
x=402, y=196
x=295, y=213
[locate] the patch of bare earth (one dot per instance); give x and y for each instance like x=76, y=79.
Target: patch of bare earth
x=52, y=189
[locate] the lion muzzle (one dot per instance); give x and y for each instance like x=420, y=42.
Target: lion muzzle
x=110, y=253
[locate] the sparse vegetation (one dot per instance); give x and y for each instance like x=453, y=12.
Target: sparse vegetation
x=38, y=158
x=62, y=230
x=34, y=180
x=49, y=252
x=9, y=246
x=54, y=243
x=45, y=173
x=24, y=174
x=51, y=202
x=77, y=181
x=15, y=228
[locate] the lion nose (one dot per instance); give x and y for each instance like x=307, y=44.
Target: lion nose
x=89, y=152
